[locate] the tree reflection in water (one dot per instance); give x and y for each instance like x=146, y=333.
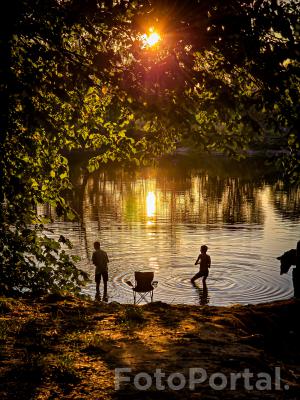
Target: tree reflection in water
x=156, y=218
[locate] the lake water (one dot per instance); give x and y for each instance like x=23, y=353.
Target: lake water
x=155, y=219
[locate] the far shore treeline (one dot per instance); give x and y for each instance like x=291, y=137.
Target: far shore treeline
x=75, y=76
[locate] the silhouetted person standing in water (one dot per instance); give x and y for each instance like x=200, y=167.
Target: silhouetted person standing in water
x=100, y=260
x=204, y=261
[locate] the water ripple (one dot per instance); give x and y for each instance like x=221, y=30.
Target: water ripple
x=157, y=222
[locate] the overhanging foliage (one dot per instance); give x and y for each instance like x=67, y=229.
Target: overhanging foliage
x=75, y=76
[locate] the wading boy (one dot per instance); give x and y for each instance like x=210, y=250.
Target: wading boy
x=204, y=261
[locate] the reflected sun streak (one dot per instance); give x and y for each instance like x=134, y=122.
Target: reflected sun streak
x=151, y=206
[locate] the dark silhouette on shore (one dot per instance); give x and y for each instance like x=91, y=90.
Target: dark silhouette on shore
x=288, y=259
x=100, y=260
x=205, y=261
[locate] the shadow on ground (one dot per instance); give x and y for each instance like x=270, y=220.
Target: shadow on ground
x=68, y=348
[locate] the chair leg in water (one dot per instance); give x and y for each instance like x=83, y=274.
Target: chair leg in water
x=143, y=296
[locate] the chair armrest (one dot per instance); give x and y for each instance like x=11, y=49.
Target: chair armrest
x=129, y=283
x=154, y=283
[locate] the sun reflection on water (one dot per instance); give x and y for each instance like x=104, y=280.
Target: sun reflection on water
x=151, y=204
x=156, y=221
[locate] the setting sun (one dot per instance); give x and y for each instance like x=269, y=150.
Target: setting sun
x=151, y=39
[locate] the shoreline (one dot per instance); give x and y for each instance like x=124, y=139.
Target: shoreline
x=68, y=348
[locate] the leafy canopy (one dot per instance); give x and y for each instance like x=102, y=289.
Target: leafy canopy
x=75, y=76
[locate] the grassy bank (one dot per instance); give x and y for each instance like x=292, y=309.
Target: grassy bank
x=68, y=348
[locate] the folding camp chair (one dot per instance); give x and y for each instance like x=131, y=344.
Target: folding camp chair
x=144, y=286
